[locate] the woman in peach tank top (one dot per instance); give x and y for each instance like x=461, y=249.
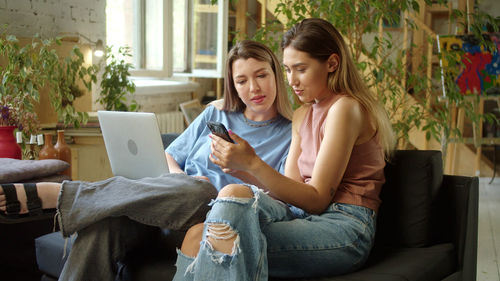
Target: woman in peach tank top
x=319, y=218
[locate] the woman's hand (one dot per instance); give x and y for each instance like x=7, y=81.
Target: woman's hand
x=202, y=178
x=231, y=157
x=173, y=166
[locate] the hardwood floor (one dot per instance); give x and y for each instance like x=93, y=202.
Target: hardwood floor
x=488, y=268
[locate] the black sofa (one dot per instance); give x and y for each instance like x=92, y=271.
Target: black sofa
x=426, y=230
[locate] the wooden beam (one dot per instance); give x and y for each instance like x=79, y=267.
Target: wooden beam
x=405, y=49
x=241, y=18
x=462, y=23
x=263, y=12
x=478, y=137
x=422, y=25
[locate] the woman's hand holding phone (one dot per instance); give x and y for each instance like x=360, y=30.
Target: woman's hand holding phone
x=219, y=130
x=236, y=156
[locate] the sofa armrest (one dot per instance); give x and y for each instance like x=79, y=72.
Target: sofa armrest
x=168, y=138
x=456, y=220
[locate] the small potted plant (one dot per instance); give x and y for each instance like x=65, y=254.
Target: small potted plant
x=115, y=85
x=12, y=118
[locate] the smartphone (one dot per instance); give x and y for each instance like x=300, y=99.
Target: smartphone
x=219, y=130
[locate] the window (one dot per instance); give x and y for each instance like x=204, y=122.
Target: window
x=141, y=25
x=179, y=37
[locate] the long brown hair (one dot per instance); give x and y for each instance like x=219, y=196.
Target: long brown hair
x=320, y=39
x=250, y=49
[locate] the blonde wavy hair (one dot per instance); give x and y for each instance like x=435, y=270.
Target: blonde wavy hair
x=320, y=39
x=250, y=49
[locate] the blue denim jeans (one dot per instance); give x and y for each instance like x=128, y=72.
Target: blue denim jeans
x=278, y=240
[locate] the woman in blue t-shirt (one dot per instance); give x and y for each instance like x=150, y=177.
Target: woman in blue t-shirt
x=255, y=107
x=116, y=215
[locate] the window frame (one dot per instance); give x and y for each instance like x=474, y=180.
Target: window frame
x=222, y=33
x=166, y=70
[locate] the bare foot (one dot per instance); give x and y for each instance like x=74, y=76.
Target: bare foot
x=48, y=193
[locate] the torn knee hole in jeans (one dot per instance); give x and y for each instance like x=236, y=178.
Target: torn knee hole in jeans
x=240, y=200
x=221, y=231
x=218, y=231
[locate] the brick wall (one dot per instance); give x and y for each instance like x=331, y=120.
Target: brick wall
x=50, y=18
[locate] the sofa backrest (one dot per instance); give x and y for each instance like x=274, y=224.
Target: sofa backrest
x=413, y=179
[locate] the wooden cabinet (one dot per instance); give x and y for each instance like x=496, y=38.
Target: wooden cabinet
x=89, y=158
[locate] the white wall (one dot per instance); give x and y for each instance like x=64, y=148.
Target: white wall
x=50, y=18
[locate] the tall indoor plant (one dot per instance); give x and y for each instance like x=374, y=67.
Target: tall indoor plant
x=23, y=73
x=27, y=69
x=70, y=75
x=409, y=105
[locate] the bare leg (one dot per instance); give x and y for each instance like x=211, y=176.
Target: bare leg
x=48, y=193
x=191, y=244
x=219, y=237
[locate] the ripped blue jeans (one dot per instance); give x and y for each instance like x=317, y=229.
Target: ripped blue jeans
x=278, y=240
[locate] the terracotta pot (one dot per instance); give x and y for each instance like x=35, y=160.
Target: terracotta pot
x=48, y=151
x=8, y=145
x=63, y=151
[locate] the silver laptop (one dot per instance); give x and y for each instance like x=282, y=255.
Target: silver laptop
x=133, y=143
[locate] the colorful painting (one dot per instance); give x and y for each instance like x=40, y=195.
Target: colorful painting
x=481, y=72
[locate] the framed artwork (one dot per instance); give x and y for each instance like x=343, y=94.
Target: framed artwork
x=480, y=73
x=191, y=109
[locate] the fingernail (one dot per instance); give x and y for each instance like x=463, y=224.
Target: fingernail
x=230, y=131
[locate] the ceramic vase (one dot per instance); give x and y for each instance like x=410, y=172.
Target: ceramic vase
x=63, y=151
x=8, y=145
x=48, y=151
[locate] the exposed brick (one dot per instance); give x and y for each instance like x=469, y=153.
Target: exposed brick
x=79, y=14
x=46, y=25
x=92, y=16
x=19, y=5
x=51, y=17
x=19, y=24
x=46, y=8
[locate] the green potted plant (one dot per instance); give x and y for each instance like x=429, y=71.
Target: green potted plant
x=115, y=85
x=23, y=74
x=65, y=80
x=27, y=69
x=409, y=105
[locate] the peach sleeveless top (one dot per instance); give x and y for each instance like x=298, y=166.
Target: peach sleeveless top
x=364, y=175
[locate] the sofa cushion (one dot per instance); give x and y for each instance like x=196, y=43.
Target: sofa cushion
x=15, y=170
x=50, y=251
x=413, y=180
x=404, y=264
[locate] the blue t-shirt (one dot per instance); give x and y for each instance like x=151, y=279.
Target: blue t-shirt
x=192, y=148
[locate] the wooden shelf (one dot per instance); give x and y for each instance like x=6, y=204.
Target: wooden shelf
x=438, y=9
x=482, y=141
